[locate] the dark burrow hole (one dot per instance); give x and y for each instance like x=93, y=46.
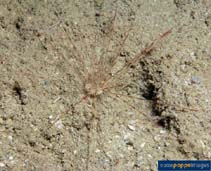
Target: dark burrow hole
x=150, y=92
x=169, y=123
x=18, y=23
x=19, y=92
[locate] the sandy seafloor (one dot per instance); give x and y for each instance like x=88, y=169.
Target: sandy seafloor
x=40, y=130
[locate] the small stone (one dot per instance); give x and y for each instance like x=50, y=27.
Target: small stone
x=109, y=154
x=166, y=144
x=50, y=145
x=121, y=155
x=97, y=14
x=130, y=164
x=157, y=138
x=117, y=136
x=59, y=124
x=10, y=138
x=150, y=156
x=143, y=144
x=158, y=147
x=132, y=122
x=139, y=161
x=127, y=136
x=2, y=164
x=193, y=55
x=202, y=144
x=46, y=82
x=75, y=152
x=162, y=131
x=195, y=80
x=130, y=148
x=130, y=113
x=1, y=121
x=131, y=127
x=128, y=139
x=97, y=151
x=209, y=153
x=10, y=158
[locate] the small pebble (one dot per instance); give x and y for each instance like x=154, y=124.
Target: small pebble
x=130, y=164
x=2, y=164
x=139, y=161
x=162, y=131
x=166, y=144
x=117, y=136
x=158, y=147
x=46, y=82
x=130, y=148
x=130, y=113
x=202, y=144
x=121, y=155
x=57, y=99
x=127, y=136
x=109, y=154
x=50, y=145
x=10, y=138
x=10, y=158
x=143, y=144
x=157, y=138
x=128, y=139
x=97, y=151
x=75, y=151
x=195, y=80
x=193, y=55
x=1, y=121
x=131, y=127
x=59, y=124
